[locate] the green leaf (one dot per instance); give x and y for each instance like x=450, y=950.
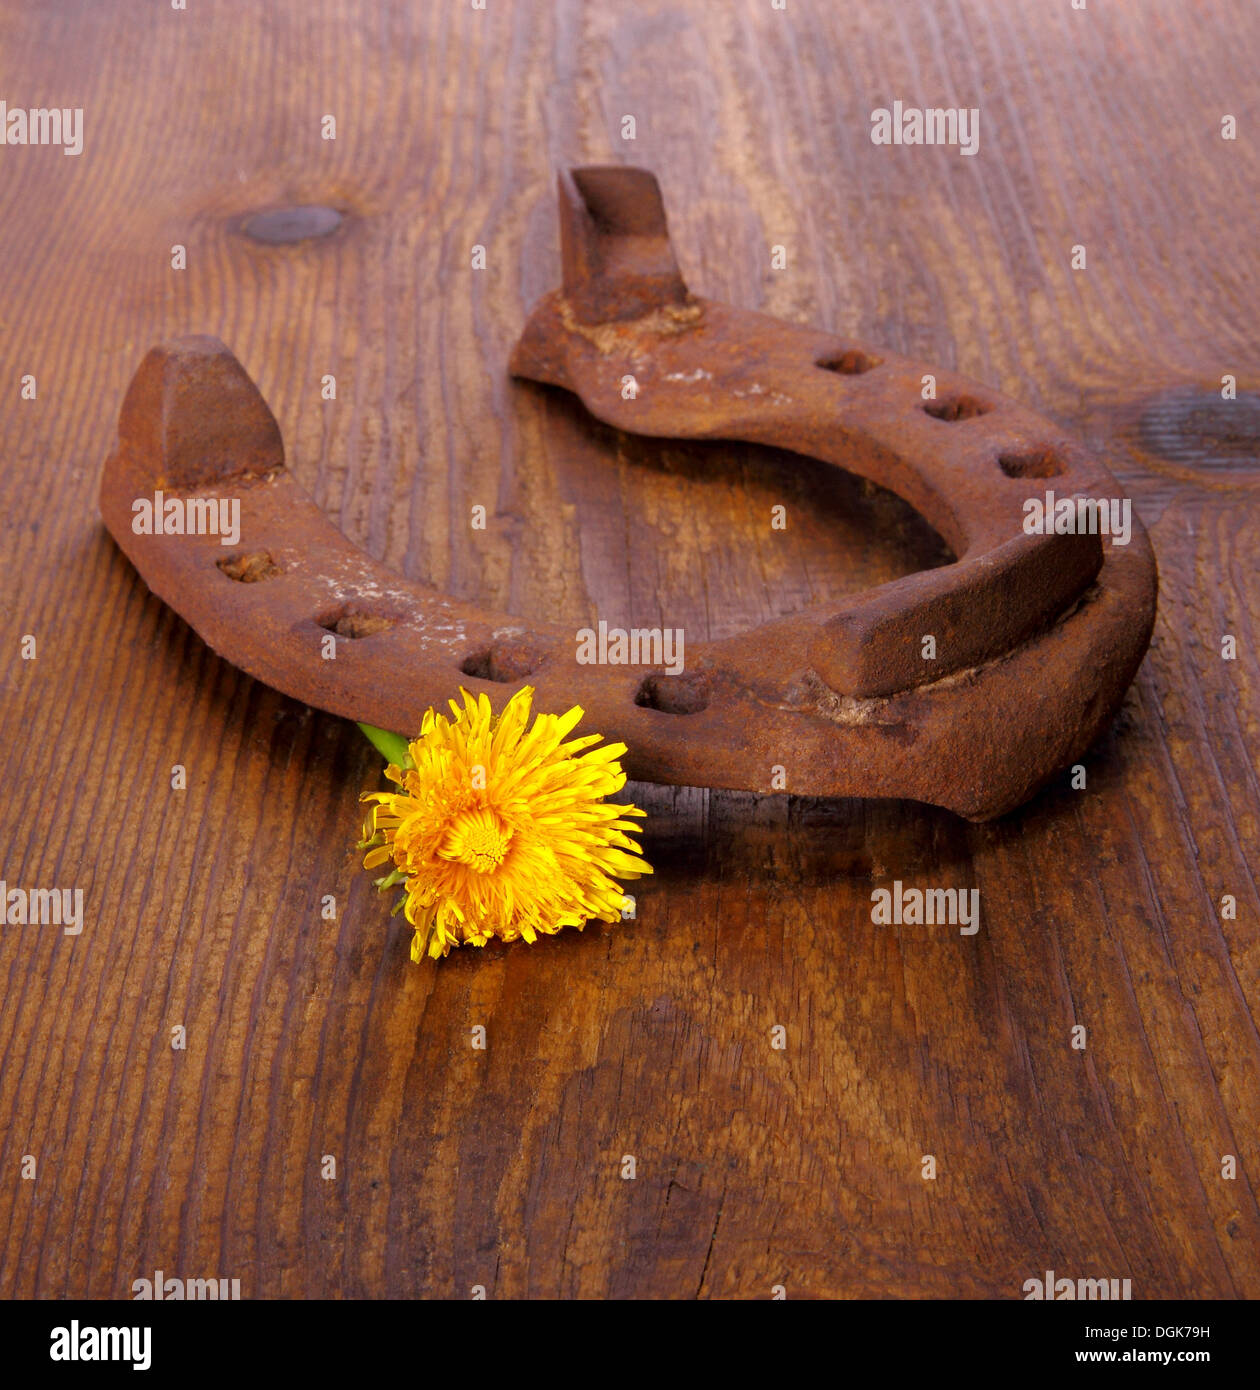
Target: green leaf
x=392, y=747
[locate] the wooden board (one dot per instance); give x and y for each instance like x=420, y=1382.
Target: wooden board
x=755, y=1167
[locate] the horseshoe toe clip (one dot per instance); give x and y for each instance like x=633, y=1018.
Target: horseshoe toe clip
x=1035, y=634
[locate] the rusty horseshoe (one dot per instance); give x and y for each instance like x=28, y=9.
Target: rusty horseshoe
x=1036, y=633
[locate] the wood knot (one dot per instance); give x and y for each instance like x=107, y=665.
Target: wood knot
x=280, y=226
x=1204, y=433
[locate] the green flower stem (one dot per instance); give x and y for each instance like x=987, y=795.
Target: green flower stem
x=392, y=747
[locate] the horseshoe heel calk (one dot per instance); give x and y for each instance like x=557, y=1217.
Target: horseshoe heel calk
x=193, y=417
x=1038, y=636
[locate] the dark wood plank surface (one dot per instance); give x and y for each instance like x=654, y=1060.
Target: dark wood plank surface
x=502, y=1168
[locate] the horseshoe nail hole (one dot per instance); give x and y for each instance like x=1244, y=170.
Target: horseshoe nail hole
x=851, y=363
x=687, y=693
x=505, y=661
x=355, y=622
x=1033, y=463
x=952, y=408
x=249, y=569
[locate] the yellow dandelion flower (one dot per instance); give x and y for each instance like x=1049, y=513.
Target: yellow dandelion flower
x=496, y=830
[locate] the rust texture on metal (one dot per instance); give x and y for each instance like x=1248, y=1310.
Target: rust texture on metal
x=1037, y=637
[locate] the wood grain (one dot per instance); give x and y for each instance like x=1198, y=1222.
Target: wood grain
x=306, y=1038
